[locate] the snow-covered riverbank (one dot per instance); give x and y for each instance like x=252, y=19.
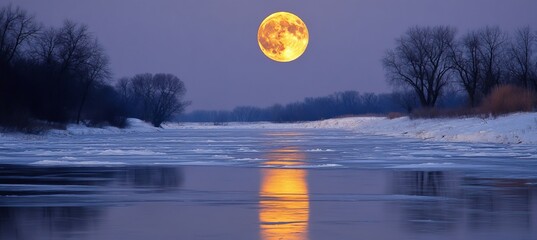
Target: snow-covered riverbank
x=510, y=129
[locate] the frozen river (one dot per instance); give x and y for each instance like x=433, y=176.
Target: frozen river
x=264, y=184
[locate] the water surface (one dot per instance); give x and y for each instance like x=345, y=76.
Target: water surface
x=264, y=184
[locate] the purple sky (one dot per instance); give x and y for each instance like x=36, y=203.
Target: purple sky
x=212, y=44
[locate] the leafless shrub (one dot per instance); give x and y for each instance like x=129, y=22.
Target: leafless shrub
x=508, y=99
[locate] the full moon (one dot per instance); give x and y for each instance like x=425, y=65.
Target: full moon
x=283, y=37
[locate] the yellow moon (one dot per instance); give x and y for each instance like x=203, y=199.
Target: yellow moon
x=283, y=37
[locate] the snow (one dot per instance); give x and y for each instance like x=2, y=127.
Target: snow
x=319, y=150
x=327, y=165
x=119, y=152
x=76, y=163
x=134, y=125
x=510, y=129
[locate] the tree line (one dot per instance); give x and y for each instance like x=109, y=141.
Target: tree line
x=54, y=76
x=429, y=60
x=335, y=105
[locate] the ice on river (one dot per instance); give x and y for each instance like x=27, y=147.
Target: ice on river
x=256, y=147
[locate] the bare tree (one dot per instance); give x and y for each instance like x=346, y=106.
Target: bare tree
x=522, y=58
x=16, y=28
x=142, y=95
x=157, y=97
x=44, y=48
x=467, y=64
x=75, y=46
x=56, y=75
x=493, y=57
x=169, y=90
x=95, y=70
x=124, y=87
x=421, y=61
x=75, y=58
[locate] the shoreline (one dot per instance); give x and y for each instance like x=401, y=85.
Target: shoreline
x=517, y=128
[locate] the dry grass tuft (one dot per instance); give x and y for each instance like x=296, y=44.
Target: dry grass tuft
x=508, y=99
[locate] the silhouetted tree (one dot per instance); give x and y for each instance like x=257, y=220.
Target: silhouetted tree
x=522, y=59
x=421, y=61
x=75, y=63
x=95, y=70
x=467, y=64
x=492, y=53
x=44, y=47
x=51, y=74
x=155, y=98
x=16, y=28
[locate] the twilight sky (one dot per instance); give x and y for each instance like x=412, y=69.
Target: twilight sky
x=212, y=44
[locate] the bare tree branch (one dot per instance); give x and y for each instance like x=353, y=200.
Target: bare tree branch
x=16, y=28
x=421, y=62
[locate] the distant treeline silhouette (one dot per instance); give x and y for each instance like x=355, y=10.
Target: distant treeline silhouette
x=53, y=76
x=335, y=105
